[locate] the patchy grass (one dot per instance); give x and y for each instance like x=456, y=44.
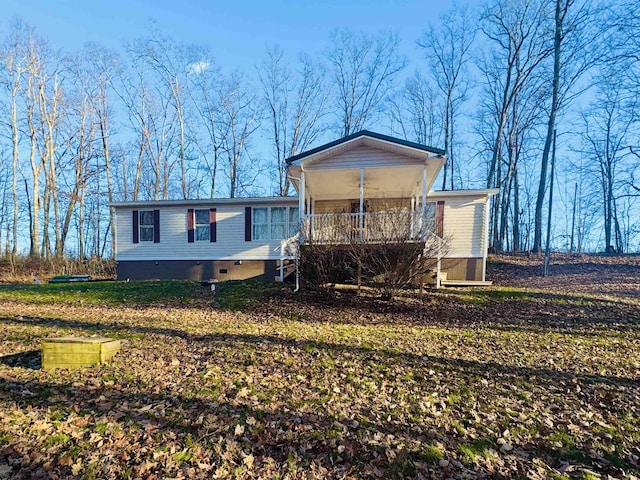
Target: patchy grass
x=107, y=293
x=255, y=381
x=237, y=295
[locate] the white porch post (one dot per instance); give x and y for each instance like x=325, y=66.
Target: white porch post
x=282, y=247
x=412, y=218
x=415, y=207
x=361, y=218
x=301, y=195
x=424, y=196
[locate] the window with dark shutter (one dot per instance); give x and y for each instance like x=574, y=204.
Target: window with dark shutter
x=190, y=235
x=247, y=224
x=212, y=225
x=156, y=226
x=136, y=231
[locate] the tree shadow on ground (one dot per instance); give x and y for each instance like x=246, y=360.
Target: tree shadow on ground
x=478, y=367
x=31, y=360
x=167, y=417
x=587, y=277
x=526, y=311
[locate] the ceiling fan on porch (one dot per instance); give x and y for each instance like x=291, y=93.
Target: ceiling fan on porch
x=356, y=188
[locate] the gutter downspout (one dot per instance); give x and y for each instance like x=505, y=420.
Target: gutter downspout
x=361, y=218
x=301, y=186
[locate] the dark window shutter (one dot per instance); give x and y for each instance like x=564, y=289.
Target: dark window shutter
x=440, y=218
x=156, y=226
x=247, y=224
x=212, y=225
x=136, y=229
x=190, y=222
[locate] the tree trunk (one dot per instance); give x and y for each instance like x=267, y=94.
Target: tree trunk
x=542, y=186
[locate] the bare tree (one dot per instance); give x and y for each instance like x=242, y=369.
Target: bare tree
x=52, y=113
x=363, y=70
x=413, y=112
x=95, y=71
x=447, y=47
x=517, y=49
x=576, y=29
x=295, y=104
x=240, y=119
x=34, y=52
x=607, y=129
x=205, y=87
x=154, y=121
x=171, y=62
x=14, y=70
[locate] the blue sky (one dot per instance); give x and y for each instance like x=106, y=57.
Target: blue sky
x=236, y=31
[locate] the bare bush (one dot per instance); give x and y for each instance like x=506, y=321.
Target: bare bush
x=19, y=269
x=389, y=248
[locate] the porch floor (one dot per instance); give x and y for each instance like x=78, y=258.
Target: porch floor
x=466, y=283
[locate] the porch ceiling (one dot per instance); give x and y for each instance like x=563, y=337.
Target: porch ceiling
x=379, y=182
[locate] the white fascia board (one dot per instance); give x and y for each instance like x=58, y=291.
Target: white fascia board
x=486, y=192
x=207, y=202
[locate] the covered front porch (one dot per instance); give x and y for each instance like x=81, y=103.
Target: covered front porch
x=383, y=204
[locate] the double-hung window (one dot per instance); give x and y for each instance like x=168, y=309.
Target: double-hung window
x=260, y=223
x=278, y=222
x=430, y=217
x=147, y=225
x=202, y=225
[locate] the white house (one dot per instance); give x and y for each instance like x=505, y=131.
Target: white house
x=342, y=187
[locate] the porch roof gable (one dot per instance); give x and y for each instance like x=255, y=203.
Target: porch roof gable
x=377, y=138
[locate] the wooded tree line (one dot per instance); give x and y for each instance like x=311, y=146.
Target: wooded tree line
x=160, y=119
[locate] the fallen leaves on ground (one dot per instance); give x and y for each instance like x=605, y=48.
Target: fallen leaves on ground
x=503, y=382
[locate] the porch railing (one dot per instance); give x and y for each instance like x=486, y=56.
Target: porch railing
x=387, y=226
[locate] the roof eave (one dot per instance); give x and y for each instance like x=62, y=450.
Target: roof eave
x=204, y=201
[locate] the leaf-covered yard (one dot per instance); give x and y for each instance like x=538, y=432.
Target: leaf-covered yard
x=534, y=378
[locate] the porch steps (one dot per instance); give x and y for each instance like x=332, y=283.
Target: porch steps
x=289, y=268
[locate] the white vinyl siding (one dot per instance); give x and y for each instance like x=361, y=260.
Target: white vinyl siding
x=229, y=245
x=331, y=206
x=464, y=225
x=363, y=157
